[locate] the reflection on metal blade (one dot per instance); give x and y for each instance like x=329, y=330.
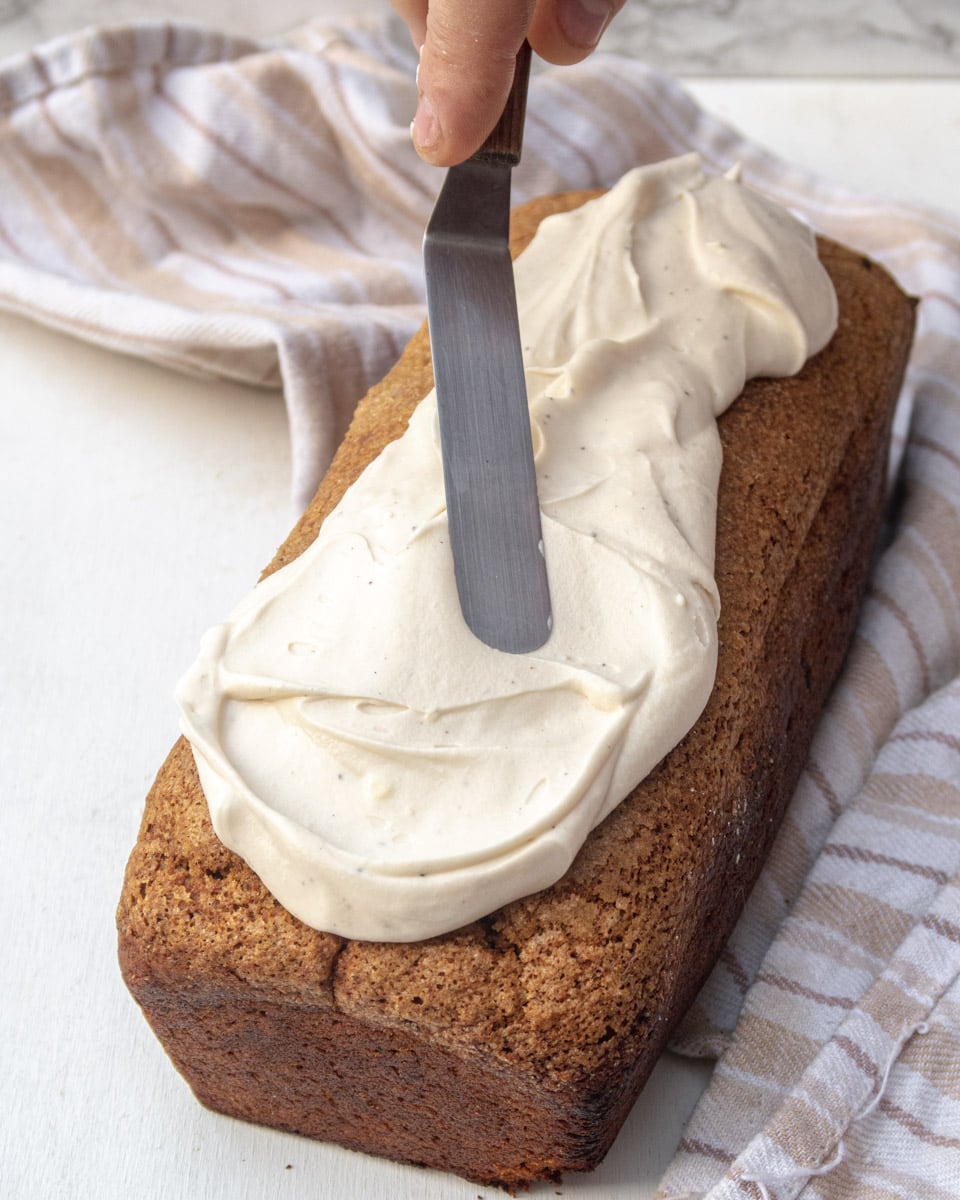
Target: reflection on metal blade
x=488, y=468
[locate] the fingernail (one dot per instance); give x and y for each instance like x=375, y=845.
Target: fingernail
x=583, y=21
x=425, y=129
x=419, y=61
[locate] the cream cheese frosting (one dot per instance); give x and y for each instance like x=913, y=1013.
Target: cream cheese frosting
x=387, y=775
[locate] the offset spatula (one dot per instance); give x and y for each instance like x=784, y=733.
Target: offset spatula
x=488, y=471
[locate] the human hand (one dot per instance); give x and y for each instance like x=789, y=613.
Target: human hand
x=467, y=58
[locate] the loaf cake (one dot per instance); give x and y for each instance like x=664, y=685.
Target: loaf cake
x=511, y=1049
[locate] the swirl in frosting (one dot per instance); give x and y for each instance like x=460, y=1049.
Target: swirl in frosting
x=387, y=775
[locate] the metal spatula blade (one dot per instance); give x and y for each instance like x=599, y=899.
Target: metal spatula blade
x=488, y=469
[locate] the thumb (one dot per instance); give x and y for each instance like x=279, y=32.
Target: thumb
x=466, y=69
x=566, y=31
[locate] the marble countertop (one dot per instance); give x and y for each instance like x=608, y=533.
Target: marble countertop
x=140, y=504
x=796, y=38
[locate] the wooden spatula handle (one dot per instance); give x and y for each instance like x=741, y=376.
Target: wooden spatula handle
x=506, y=138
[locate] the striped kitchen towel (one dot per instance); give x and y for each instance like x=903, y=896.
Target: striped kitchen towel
x=255, y=210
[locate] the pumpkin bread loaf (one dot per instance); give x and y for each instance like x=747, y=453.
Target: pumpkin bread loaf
x=511, y=1050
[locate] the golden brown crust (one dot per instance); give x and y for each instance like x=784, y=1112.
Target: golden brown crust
x=511, y=1050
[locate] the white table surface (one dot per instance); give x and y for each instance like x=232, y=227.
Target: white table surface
x=137, y=506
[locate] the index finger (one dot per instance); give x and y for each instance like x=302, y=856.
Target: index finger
x=466, y=69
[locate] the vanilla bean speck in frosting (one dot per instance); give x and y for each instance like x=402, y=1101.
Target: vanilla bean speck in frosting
x=388, y=776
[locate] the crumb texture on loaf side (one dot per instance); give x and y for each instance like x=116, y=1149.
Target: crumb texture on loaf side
x=511, y=1050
